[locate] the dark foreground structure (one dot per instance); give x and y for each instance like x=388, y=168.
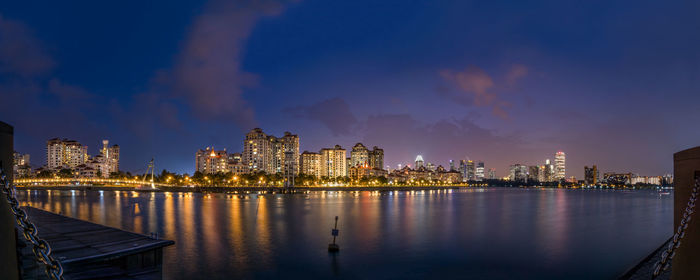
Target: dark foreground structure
x=91, y=251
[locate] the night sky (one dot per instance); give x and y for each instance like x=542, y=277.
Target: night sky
x=611, y=83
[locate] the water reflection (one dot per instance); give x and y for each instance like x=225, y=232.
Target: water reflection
x=481, y=233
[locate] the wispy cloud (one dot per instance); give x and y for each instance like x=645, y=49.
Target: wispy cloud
x=477, y=88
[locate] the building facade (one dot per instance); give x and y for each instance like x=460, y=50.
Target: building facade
x=20, y=165
x=480, y=171
x=518, y=173
x=590, y=175
x=359, y=155
x=333, y=162
x=310, y=164
x=65, y=154
x=262, y=152
x=560, y=166
x=376, y=158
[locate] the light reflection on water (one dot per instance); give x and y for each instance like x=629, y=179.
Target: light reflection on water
x=493, y=233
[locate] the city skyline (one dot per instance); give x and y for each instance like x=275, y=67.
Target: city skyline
x=420, y=79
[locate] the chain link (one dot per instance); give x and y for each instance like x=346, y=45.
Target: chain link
x=41, y=248
x=668, y=254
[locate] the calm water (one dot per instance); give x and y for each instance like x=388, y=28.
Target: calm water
x=492, y=233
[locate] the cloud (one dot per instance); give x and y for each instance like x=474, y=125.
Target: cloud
x=333, y=113
x=516, y=72
x=477, y=88
x=208, y=72
x=20, y=52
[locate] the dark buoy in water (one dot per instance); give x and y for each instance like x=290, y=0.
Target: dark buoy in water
x=334, y=247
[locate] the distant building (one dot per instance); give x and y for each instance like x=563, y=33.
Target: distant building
x=419, y=161
x=452, y=165
x=533, y=173
x=430, y=166
x=262, y=152
x=359, y=171
x=210, y=161
x=333, y=162
x=549, y=172
x=65, y=154
x=20, y=165
x=109, y=161
x=471, y=170
x=518, y=173
x=590, y=175
x=310, y=164
x=617, y=178
x=359, y=155
x=480, y=171
x=376, y=158
x=492, y=174
x=560, y=165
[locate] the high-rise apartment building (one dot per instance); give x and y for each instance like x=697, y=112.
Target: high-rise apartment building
x=110, y=158
x=65, y=154
x=310, y=164
x=210, y=161
x=262, y=152
x=376, y=158
x=492, y=173
x=590, y=175
x=359, y=155
x=560, y=165
x=333, y=162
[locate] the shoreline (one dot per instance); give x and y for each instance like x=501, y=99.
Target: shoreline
x=286, y=190
x=238, y=189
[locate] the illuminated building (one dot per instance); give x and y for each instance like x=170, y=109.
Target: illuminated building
x=480, y=171
x=20, y=165
x=110, y=159
x=359, y=155
x=65, y=154
x=559, y=165
x=492, y=173
x=548, y=171
x=365, y=171
x=262, y=152
x=452, y=165
x=533, y=173
x=210, y=161
x=419, y=161
x=471, y=170
x=430, y=166
x=310, y=164
x=590, y=175
x=333, y=162
x=518, y=173
x=376, y=158
x=618, y=178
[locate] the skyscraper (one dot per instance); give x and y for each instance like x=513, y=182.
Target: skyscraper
x=110, y=158
x=471, y=170
x=419, y=162
x=480, y=171
x=452, y=165
x=590, y=175
x=518, y=173
x=560, y=165
x=492, y=173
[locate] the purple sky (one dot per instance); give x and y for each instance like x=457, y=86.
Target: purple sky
x=612, y=84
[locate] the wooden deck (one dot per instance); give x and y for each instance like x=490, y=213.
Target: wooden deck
x=92, y=251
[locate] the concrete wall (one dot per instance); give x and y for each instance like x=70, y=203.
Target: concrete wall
x=8, y=248
x=686, y=262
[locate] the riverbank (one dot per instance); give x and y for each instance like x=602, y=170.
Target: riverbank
x=239, y=189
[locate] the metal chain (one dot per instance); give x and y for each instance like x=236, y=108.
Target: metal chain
x=41, y=248
x=668, y=254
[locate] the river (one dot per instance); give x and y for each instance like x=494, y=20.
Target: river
x=475, y=233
